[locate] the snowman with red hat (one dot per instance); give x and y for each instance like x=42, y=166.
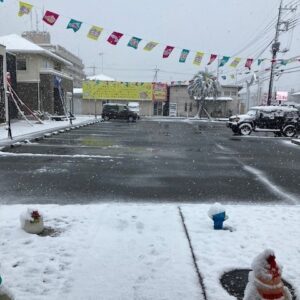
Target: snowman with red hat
x=265, y=279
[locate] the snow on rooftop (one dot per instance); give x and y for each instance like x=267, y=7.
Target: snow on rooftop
x=16, y=43
x=100, y=77
x=77, y=91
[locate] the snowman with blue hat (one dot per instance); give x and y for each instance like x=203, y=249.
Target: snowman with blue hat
x=217, y=213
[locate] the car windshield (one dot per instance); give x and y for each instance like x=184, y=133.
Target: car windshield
x=252, y=112
x=148, y=150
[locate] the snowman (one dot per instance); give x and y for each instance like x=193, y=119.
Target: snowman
x=265, y=279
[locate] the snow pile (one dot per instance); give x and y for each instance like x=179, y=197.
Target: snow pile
x=266, y=278
x=130, y=251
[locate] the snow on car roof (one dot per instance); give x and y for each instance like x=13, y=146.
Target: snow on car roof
x=273, y=108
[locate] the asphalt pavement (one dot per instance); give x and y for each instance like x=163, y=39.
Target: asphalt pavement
x=183, y=161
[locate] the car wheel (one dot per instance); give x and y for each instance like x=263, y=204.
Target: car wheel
x=289, y=130
x=106, y=118
x=130, y=119
x=245, y=129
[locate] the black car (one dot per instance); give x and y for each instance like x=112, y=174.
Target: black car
x=281, y=120
x=118, y=111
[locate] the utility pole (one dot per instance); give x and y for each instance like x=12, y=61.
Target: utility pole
x=276, y=46
x=156, y=70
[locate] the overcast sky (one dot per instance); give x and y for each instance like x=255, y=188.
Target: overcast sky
x=214, y=26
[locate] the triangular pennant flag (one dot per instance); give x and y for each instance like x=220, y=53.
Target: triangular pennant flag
x=198, y=58
x=114, y=38
x=235, y=62
x=212, y=58
x=94, y=33
x=284, y=62
x=168, y=50
x=50, y=17
x=134, y=42
x=224, y=77
x=74, y=24
x=224, y=61
x=232, y=76
x=24, y=9
x=259, y=61
x=150, y=46
x=183, y=56
x=249, y=63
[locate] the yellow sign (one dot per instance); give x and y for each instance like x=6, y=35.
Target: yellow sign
x=113, y=90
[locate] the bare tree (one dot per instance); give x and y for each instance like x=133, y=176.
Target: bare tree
x=202, y=86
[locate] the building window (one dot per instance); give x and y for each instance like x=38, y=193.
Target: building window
x=191, y=107
x=226, y=93
x=233, y=93
x=21, y=64
x=185, y=106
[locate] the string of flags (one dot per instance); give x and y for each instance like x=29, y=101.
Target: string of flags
x=95, y=32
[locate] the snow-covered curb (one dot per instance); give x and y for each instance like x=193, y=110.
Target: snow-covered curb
x=22, y=131
x=131, y=251
x=296, y=141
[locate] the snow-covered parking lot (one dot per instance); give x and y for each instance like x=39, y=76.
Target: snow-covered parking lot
x=131, y=251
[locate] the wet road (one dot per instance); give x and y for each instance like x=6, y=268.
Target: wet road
x=151, y=161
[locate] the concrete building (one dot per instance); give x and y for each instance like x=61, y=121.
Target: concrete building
x=43, y=39
x=226, y=104
x=43, y=84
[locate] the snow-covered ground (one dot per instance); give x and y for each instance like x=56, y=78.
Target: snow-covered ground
x=130, y=251
x=21, y=127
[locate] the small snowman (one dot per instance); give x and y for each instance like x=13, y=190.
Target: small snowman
x=218, y=214
x=4, y=293
x=265, y=279
x=32, y=221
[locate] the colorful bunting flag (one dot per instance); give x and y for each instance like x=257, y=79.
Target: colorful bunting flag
x=232, y=76
x=94, y=33
x=24, y=8
x=212, y=58
x=150, y=46
x=259, y=61
x=224, y=61
x=50, y=17
x=224, y=77
x=114, y=38
x=249, y=63
x=235, y=62
x=168, y=50
x=183, y=56
x=134, y=42
x=198, y=58
x=74, y=24
x=284, y=62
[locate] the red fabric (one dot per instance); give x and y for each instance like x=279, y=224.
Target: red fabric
x=168, y=50
x=249, y=63
x=50, y=17
x=114, y=38
x=212, y=58
x=272, y=296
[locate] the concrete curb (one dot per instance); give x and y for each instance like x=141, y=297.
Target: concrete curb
x=296, y=142
x=39, y=135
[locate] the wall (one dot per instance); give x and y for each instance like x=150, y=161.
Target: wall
x=187, y=107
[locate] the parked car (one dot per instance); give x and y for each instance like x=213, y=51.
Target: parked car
x=118, y=111
x=135, y=106
x=282, y=120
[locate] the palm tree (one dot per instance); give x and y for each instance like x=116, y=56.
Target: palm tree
x=203, y=85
